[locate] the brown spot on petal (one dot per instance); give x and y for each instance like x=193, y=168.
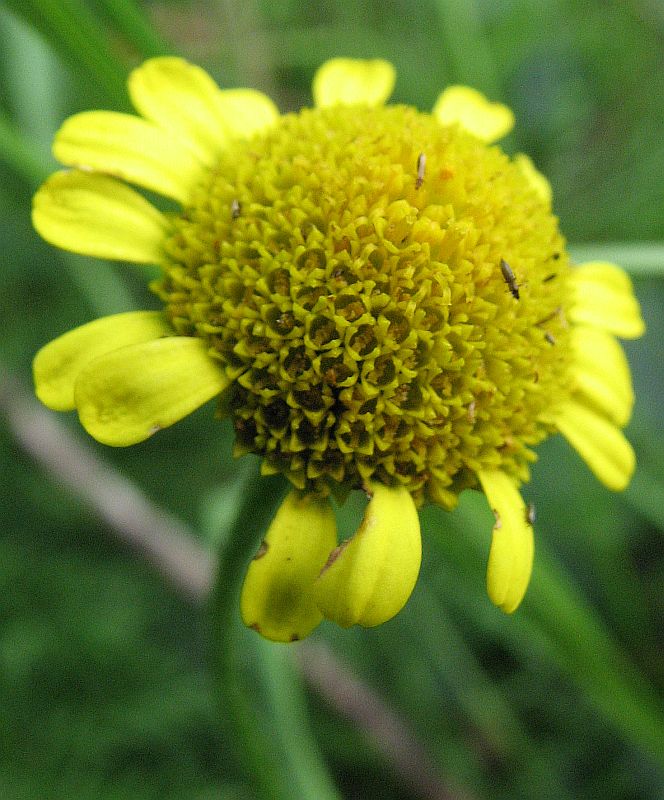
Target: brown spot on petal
x=262, y=550
x=334, y=555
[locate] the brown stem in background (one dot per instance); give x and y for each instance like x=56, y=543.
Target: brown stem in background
x=156, y=535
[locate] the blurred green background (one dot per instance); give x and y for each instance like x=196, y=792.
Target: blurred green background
x=106, y=689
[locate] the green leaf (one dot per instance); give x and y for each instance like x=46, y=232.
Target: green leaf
x=638, y=258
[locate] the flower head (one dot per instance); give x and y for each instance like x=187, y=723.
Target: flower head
x=380, y=297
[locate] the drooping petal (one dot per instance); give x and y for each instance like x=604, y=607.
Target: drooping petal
x=127, y=395
x=369, y=578
x=181, y=97
x=601, y=372
x=130, y=148
x=534, y=177
x=513, y=542
x=98, y=216
x=472, y=111
x=604, y=298
x=350, y=81
x=599, y=443
x=277, y=599
x=246, y=111
x=57, y=365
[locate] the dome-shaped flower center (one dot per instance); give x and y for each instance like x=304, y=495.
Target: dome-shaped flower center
x=387, y=294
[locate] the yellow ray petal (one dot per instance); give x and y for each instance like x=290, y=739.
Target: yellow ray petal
x=98, y=216
x=513, y=543
x=350, y=81
x=599, y=443
x=183, y=98
x=245, y=111
x=130, y=148
x=473, y=112
x=277, y=598
x=57, y=364
x=369, y=578
x=534, y=177
x=601, y=373
x=127, y=395
x=604, y=298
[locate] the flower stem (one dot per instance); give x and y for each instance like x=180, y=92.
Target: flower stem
x=267, y=720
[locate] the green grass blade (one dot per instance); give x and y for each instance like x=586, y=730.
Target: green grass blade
x=128, y=18
x=638, y=258
x=20, y=155
x=467, y=46
x=76, y=34
x=574, y=636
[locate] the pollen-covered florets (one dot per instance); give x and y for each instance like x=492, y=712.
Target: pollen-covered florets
x=345, y=267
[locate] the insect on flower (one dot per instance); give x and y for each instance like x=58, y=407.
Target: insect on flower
x=510, y=278
x=421, y=166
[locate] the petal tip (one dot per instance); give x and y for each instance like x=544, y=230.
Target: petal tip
x=471, y=110
x=349, y=81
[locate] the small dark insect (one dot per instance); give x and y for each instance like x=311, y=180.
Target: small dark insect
x=510, y=278
x=235, y=208
x=421, y=166
x=549, y=337
x=550, y=277
x=531, y=516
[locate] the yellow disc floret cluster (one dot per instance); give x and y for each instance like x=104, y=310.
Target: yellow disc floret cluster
x=386, y=295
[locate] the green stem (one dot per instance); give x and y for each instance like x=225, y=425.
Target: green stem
x=303, y=763
x=273, y=745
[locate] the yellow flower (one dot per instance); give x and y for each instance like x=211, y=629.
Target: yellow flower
x=379, y=297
